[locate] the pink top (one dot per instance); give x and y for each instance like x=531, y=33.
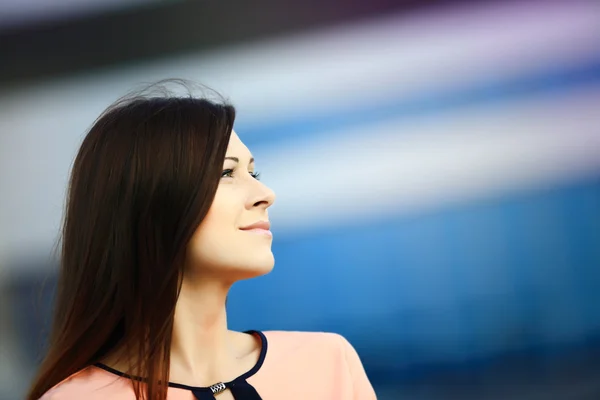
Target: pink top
x=297, y=366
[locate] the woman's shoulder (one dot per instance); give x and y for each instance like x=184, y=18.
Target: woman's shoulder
x=325, y=359
x=91, y=383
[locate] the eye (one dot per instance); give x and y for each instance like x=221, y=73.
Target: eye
x=227, y=173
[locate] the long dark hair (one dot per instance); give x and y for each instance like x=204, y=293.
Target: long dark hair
x=142, y=182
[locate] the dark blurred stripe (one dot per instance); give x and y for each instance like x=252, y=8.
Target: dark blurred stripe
x=170, y=28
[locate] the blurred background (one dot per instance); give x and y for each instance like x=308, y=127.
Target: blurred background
x=437, y=165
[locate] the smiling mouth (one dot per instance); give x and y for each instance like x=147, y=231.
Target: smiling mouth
x=259, y=228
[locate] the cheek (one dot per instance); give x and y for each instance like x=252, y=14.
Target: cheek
x=223, y=212
x=213, y=238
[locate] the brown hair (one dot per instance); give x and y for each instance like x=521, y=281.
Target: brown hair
x=142, y=182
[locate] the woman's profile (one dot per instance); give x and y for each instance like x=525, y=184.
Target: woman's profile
x=165, y=212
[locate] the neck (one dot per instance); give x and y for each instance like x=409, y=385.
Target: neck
x=202, y=347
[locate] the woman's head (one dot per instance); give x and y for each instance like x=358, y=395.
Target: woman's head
x=233, y=241
x=160, y=192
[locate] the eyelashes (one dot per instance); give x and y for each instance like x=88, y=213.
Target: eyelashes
x=228, y=173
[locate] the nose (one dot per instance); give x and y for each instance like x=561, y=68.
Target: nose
x=262, y=196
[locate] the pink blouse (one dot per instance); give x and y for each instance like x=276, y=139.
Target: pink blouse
x=291, y=366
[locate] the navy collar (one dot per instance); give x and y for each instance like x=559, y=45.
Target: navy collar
x=239, y=387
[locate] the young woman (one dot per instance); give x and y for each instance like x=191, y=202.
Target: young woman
x=165, y=213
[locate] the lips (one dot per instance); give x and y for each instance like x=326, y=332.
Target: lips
x=260, y=228
x=263, y=225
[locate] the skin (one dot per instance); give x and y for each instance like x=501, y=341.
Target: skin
x=203, y=350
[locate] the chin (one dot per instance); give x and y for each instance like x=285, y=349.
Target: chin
x=258, y=267
x=252, y=265
x=232, y=267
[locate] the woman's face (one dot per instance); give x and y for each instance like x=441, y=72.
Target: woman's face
x=225, y=245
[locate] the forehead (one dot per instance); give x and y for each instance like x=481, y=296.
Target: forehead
x=237, y=146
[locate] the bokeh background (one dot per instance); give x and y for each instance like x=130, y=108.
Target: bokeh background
x=437, y=165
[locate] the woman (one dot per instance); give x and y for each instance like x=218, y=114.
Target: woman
x=165, y=212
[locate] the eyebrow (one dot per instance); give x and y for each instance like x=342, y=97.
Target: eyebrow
x=237, y=160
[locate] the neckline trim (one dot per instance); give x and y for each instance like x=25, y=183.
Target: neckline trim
x=244, y=376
